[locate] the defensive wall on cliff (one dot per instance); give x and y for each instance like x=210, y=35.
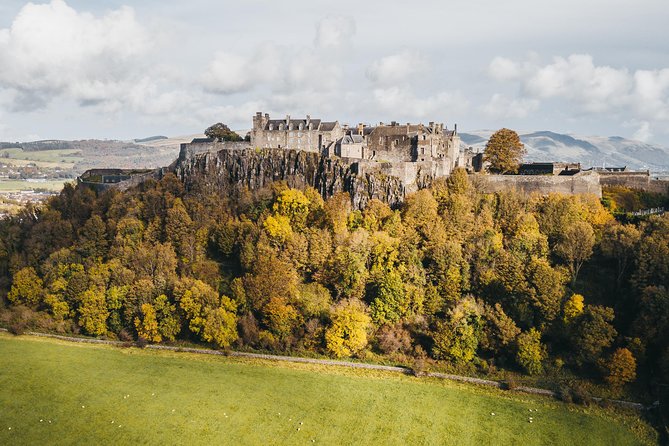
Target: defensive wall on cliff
x=634, y=180
x=586, y=182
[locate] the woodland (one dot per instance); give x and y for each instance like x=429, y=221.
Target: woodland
x=527, y=287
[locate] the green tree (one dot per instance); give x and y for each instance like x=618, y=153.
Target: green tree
x=531, y=352
x=222, y=132
x=390, y=302
x=592, y=332
x=457, y=338
x=504, y=151
x=347, y=333
x=620, y=242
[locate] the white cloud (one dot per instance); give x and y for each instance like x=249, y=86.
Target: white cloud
x=501, y=106
x=596, y=90
x=284, y=69
x=51, y=50
x=401, y=100
x=334, y=32
x=643, y=133
x=396, y=68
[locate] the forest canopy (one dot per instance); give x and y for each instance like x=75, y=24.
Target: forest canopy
x=474, y=281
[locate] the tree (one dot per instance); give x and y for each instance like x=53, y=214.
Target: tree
x=530, y=352
x=220, y=324
x=620, y=368
x=93, y=312
x=347, y=334
x=27, y=287
x=222, y=132
x=575, y=247
x=592, y=332
x=621, y=243
x=147, y=326
x=504, y=151
x=457, y=338
x=390, y=302
x=573, y=308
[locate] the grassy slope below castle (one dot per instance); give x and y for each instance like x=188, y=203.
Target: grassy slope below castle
x=189, y=399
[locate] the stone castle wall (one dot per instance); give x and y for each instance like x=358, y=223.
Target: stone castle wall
x=580, y=183
x=634, y=180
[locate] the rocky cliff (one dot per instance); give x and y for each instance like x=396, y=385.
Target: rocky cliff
x=231, y=169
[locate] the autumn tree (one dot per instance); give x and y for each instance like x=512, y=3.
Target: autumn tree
x=93, y=312
x=220, y=323
x=27, y=287
x=347, y=333
x=575, y=247
x=504, y=151
x=620, y=368
x=147, y=325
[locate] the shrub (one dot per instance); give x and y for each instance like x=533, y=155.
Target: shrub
x=393, y=338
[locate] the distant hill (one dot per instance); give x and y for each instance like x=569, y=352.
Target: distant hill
x=150, y=139
x=587, y=150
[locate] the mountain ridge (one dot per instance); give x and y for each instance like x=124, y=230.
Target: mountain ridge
x=545, y=145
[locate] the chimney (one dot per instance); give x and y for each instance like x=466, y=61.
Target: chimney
x=455, y=129
x=287, y=119
x=308, y=120
x=361, y=127
x=431, y=124
x=393, y=123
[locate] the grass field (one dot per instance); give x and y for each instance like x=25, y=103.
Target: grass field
x=19, y=185
x=65, y=158
x=53, y=392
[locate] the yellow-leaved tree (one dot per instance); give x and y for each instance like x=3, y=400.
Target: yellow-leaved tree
x=347, y=335
x=504, y=151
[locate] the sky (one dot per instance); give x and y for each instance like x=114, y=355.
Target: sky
x=123, y=69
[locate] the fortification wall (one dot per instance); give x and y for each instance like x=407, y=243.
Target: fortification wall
x=189, y=150
x=634, y=180
x=581, y=183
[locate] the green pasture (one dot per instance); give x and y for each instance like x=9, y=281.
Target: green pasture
x=52, y=392
x=19, y=185
x=65, y=158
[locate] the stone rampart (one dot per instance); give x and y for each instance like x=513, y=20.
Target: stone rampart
x=634, y=180
x=581, y=183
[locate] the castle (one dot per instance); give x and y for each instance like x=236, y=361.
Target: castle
x=394, y=143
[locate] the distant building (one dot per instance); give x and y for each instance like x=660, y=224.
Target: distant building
x=549, y=168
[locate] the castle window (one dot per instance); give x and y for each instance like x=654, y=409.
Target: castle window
x=271, y=126
x=290, y=126
x=301, y=126
x=280, y=126
x=397, y=141
x=423, y=137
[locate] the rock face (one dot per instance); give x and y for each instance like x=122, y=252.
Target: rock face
x=228, y=170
